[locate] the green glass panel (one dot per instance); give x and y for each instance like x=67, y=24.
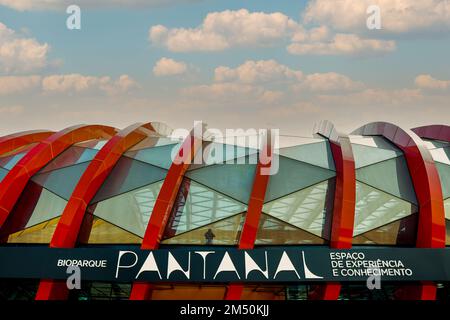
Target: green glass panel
x=3, y=173
x=447, y=208
x=223, y=232
x=391, y=176
x=275, y=232
x=128, y=174
x=318, y=154
x=293, y=175
x=197, y=206
x=306, y=209
x=378, y=142
x=234, y=180
x=157, y=156
x=444, y=175
x=441, y=155
x=365, y=155
x=63, y=181
x=130, y=211
x=436, y=144
x=49, y=206
x=447, y=227
x=375, y=208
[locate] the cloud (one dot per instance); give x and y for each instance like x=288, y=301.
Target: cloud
x=18, y=84
x=343, y=44
x=426, y=81
x=397, y=16
x=329, y=82
x=11, y=110
x=169, y=67
x=20, y=55
x=226, y=29
x=257, y=72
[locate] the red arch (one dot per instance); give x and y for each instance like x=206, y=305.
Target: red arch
x=255, y=205
x=427, y=185
x=15, y=181
x=344, y=200
x=13, y=141
x=164, y=204
x=69, y=225
x=434, y=132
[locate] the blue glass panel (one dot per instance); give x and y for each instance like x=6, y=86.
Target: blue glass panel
x=3, y=173
x=157, y=156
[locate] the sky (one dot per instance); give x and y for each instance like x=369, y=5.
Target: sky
x=231, y=64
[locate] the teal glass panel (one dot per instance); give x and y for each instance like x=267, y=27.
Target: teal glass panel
x=197, y=206
x=441, y=155
x=63, y=181
x=375, y=208
x=157, y=156
x=155, y=141
x=71, y=156
x=96, y=144
x=3, y=173
x=436, y=144
x=49, y=206
x=128, y=174
x=308, y=209
x=391, y=176
x=444, y=175
x=234, y=180
x=318, y=154
x=129, y=211
x=293, y=175
x=365, y=156
x=447, y=208
x=9, y=162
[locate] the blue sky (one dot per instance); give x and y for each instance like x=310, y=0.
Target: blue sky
x=370, y=81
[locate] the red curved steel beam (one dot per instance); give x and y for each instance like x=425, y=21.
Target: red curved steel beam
x=344, y=200
x=13, y=141
x=164, y=204
x=69, y=225
x=427, y=185
x=434, y=132
x=15, y=181
x=255, y=205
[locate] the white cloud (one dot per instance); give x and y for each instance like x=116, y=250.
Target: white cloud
x=343, y=44
x=20, y=55
x=11, y=110
x=18, y=84
x=397, y=16
x=426, y=81
x=257, y=72
x=331, y=81
x=226, y=29
x=169, y=67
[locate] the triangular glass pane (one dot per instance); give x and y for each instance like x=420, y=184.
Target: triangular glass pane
x=9, y=162
x=197, y=206
x=223, y=232
x=128, y=174
x=309, y=209
x=444, y=175
x=103, y=232
x=130, y=211
x=365, y=156
x=40, y=233
x=378, y=142
x=391, y=176
x=318, y=154
x=286, y=141
x=293, y=175
x=96, y=144
x=375, y=208
x=63, y=181
x=3, y=173
x=435, y=144
x=401, y=232
x=272, y=231
x=234, y=180
x=155, y=141
x=441, y=155
x=71, y=156
x=447, y=228
x=157, y=156
x=47, y=207
x=447, y=208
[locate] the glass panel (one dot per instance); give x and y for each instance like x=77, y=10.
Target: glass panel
x=62, y=181
x=9, y=162
x=318, y=154
x=223, y=232
x=391, y=176
x=197, y=206
x=365, y=156
x=157, y=156
x=272, y=231
x=441, y=155
x=375, y=208
x=374, y=141
x=234, y=180
x=93, y=290
x=103, y=232
x=447, y=227
x=128, y=174
x=444, y=175
x=447, y=208
x=130, y=211
x=401, y=233
x=286, y=141
x=96, y=144
x=22, y=149
x=155, y=141
x=308, y=209
x=71, y=156
x=188, y=292
x=435, y=144
x=40, y=233
x=3, y=173
x=293, y=175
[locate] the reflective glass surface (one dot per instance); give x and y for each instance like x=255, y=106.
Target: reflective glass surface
x=154, y=141
x=444, y=175
x=96, y=144
x=447, y=208
x=3, y=173
x=306, y=209
x=48, y=207
x=40, y=233
x=9, y=162
x=441, y=155
x=103, y=232
x=71, y=156
x=365, y=155
x=318, y=154
x=157, y=156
